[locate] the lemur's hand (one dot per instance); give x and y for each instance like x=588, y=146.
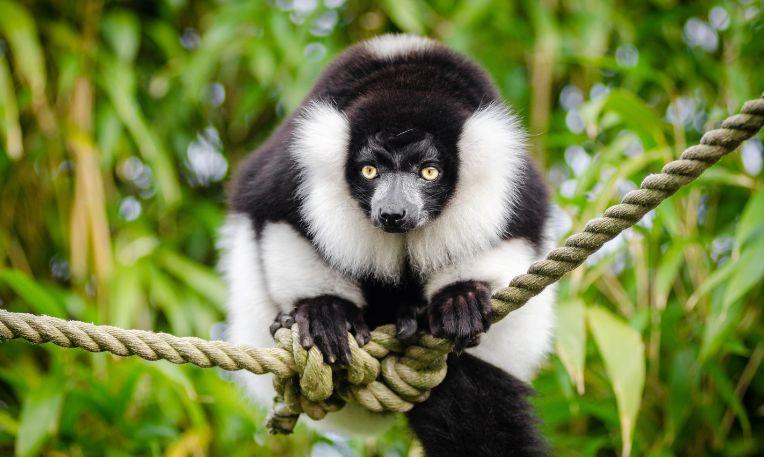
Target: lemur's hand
x=325, y=321
x=407, y=321
x=460, y=312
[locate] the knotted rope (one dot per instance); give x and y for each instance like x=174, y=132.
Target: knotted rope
x=385, y=375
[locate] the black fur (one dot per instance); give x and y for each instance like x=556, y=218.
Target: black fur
x=401, y=303
x=477, y=411
x=407, y=150
x=415, y=105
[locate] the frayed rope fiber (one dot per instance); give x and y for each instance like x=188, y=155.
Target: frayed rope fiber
x=385, y=375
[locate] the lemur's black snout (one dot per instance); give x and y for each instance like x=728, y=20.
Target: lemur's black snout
x=392, y=217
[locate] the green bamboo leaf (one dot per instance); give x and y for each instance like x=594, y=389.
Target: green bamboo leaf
x=749, y=272
x=8, y=423
x=119, y=83
x=668, y=269
x=637, y=116
x=166, y=297
x=40, y=415
x=571, y=340
x=199, y=278
x=39, y=299
x=726, y=390
x=127, y=296
x=743, y=273
x=714, y=280
x=623, y=352
x=18, y=26
x=9, y=111
x=682, y=385
x=752, y=221
x=406, y=14
x=122, y=30
x=166, y=37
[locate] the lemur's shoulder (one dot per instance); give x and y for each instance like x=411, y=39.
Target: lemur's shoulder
x=265, y=185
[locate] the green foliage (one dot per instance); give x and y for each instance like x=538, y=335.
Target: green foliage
x=119, y=123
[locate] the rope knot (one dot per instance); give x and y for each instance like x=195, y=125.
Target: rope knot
x=384, y=375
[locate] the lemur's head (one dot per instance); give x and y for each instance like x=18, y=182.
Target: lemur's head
x=402, y=163
x=401, y=179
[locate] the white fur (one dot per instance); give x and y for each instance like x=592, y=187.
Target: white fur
x=491, y=266
x=340, y=229
x=393, y=45
x=520, y=342
x=250, y=309
x=471, y=222
x=491, y=148
x=294, y=270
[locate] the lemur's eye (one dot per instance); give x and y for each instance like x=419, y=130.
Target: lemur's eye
x=429, y=173
x=369, y=172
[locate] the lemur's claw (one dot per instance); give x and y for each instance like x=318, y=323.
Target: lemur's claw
x=406, y=328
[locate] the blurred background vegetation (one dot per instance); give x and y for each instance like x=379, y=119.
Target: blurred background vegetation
x=120, y=122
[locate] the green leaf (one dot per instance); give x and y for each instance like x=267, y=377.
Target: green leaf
x=623, y=352
x=670, y=265
x=571, y=340
x=126, y=296
x=726, y=391
x=406, y=14
x=752, y=220
x=743, y=273
x=40, y=415
x=637, y=116
x=33, y=293
x=122, y=29
x=199, y=278
x=749, y=271
x=118, y=81
x=9, y=112
x=18, y=26
x=682, y=384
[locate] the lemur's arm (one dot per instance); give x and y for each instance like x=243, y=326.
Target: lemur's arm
x=459, y=295
x=323, y=302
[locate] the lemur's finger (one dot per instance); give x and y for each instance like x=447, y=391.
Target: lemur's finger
x=486, y=307
x=406, y=327
x=283, y=320
x=358, y=325
x=463, y=325
x=286, y=320
x=303, y=327
x=474, y=341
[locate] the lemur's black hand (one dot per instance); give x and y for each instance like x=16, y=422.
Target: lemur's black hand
x=325, y=321
x=460, y=312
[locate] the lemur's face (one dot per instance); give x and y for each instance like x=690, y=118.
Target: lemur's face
x=401, y=179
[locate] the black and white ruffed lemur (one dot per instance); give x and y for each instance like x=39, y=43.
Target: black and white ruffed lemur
x=400, y=191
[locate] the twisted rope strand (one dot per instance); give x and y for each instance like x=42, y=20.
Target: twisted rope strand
x=385, y=375
x=147, y=345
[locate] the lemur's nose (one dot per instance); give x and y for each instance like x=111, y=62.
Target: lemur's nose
x=392, y=218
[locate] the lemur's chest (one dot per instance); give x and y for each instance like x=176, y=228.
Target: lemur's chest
x=384, y=298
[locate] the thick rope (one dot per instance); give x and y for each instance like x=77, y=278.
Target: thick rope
x=385, y=375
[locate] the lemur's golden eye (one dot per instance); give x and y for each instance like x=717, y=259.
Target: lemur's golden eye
x=429, y=173
x=369, y=172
